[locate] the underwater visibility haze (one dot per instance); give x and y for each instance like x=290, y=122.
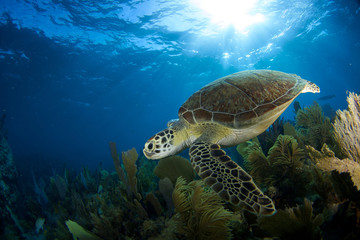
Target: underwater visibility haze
x=79, y=76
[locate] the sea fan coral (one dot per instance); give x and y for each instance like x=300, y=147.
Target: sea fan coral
x=347, y=128
x=129, y=160
x=326, y=160
x=119, y=170
x=173, y=167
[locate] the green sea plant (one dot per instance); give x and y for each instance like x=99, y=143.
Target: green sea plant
x=119, y=221
x=100, y=209
x=173, y=167
x=200, y=211
x=313, y=128
x=119, y=170
x=79, y=233
x=255, y=160
x=88, y=180
x=99, y=204
x=166, y=189
x=289, y=129
x=297, y=106
x=289, y=172
x=8, y=177
x=61, y=185
x=129, y=161
x=293, y=223
x=285, y=155
x=146, y=180
x=284, y=168
x=152, y=200
x=323, y=186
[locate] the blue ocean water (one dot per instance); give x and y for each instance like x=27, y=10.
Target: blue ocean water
x=77, y=74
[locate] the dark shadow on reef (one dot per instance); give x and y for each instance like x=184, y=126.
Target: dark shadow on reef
x=310, y=167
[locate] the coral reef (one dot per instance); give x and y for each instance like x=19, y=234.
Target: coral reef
x=289, y=129
x=146, y=180
x=268, y=138
x=293, y=223
x=129, y=159
x=326, y=160
x=8, y=171
x=119, y=169
x=166, y=188
x=255, y=161
x=328, y=111
x=297, y=106
x=284, y=169
x=313, y=128
x=285, y=156
x=102, y=206
x=137, y=198
x=347, y=136
x=200, y=211
x=8, y=179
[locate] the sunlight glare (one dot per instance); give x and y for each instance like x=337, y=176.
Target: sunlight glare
x=238, y=13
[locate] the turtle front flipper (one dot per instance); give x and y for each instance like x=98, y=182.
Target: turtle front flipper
x=228, y=179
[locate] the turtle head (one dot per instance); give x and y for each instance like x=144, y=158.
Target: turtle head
x=310, y=87
x=163, y=144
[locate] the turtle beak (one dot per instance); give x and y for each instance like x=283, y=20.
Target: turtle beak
x=148, y=154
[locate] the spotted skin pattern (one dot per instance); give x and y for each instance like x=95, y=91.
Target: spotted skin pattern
x=228, y=179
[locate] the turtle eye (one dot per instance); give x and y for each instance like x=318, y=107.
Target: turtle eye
x=150, y=146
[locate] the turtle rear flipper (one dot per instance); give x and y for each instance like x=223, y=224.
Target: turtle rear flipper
x=228, y=179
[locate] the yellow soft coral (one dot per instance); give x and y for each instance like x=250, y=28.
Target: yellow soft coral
x=347, y=128
x=347, y=136
x=326, y=161
x=129, y=160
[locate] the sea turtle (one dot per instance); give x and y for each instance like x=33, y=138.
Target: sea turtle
x=224, y=113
